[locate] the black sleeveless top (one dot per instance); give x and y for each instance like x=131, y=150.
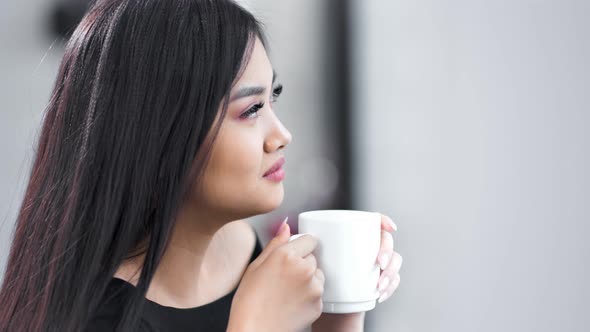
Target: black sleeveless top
x=212, y=316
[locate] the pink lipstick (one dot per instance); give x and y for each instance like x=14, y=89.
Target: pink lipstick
x=276, y=173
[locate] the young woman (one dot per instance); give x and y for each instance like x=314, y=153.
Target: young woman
x=160, y=135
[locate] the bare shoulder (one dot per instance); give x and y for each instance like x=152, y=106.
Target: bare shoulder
x=130, y=270
x=231, y=249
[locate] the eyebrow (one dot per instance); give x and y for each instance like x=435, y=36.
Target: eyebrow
x=252, y=90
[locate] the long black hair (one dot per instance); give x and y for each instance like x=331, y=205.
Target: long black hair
x=126, y=134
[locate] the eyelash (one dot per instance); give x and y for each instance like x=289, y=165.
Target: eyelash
x=276, y=92
x=254, y=109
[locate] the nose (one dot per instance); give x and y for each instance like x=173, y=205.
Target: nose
x=277, y=138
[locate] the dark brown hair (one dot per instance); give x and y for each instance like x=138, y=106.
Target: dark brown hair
x=134, y=103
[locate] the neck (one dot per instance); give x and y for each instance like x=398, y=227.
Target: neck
x=187, y=264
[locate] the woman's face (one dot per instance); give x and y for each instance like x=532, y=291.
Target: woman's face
x=250, y=141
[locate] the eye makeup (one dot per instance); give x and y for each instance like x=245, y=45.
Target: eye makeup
x=276, y=92
x=252, y=111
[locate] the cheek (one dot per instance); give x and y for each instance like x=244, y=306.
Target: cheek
x=234, y=172
x=237, y=162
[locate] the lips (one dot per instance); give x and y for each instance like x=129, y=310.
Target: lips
x=277, y=165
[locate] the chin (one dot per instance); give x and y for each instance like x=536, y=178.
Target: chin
x=272, y=200
x=255, y=203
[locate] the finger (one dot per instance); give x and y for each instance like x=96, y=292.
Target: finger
x=390, y=272
x=390, y=289
x=317, y=283
x=319, y=275
x=310, y=262
x=396, y=262
x=386, y=249
x=388, y=224
x=302, y=246
x=280, y=238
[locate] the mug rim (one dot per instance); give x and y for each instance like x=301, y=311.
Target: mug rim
x=345, y=214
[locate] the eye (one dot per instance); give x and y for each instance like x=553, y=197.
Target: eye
x=276, y=92
x=252, y=111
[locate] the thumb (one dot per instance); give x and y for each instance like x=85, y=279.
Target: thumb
x=282, y=237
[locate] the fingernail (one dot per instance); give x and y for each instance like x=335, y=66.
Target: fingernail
x=384, y=283
x=391, y=223
x=382, y=298
x=282, y=226
x=383, y=260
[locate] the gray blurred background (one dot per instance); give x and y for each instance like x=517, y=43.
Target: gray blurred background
x=465, y=121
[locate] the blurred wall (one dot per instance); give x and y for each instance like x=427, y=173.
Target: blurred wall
x=28, y=65
x=472, y=133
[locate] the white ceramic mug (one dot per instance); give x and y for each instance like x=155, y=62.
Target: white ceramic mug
x=348, y=244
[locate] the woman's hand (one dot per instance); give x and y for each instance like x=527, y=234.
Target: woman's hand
x=281, y=289
x=389, y=261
